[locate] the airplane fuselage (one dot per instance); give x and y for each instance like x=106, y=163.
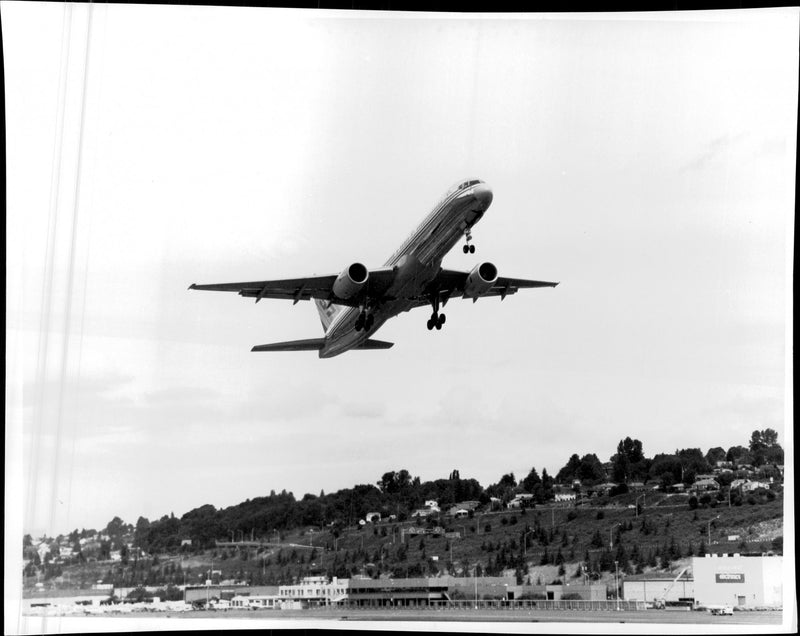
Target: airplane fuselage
x=415, y=264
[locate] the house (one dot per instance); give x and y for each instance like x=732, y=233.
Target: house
x=432, y=505
x=737, y=483
x=606, y=487
x=460, y=513
x=186, y=542
x=564, y=494
x=520, y=499
x=421, y=512
x=706, y=484
x=373, y=517
x=753, y=485
x=635, y=486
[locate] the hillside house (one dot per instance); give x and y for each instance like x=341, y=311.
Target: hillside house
x=706, y=484
x=373, y=517
x=432, y=505
x=750, y=486
x=520, y=499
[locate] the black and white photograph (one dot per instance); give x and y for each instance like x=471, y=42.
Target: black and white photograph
x=422, y=320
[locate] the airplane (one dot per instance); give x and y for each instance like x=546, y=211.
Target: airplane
x=355, y=303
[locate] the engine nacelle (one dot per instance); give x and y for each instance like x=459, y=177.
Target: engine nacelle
x=480, y=280
x=350, y=281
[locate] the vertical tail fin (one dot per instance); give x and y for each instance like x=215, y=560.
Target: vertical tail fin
x=327, y=312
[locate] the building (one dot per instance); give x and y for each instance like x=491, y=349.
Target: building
x=658, y=586
x=256, y=601
x=565, y=495
x=521, y=499
x=432, y=505
x=315, y=590
x=63, y=598
x=372, y=517
x=706, y=484
x=737, y=580
x=203, y=593
x=750, y=486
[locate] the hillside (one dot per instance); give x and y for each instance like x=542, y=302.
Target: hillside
x=562, y=542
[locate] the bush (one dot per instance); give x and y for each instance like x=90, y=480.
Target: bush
x=572, y=515
x=600, y=515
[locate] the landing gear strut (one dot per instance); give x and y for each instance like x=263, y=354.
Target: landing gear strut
x=364, y=321
x=468, y=248
x=436, y=320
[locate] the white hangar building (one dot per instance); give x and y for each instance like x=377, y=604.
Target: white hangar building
x=739, y=581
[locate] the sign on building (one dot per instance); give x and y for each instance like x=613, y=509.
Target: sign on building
x=730, y=577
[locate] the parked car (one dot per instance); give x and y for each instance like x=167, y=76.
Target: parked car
x=722, y=610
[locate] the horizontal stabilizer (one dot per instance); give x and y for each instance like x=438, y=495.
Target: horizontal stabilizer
x=310, y=344
x=315, y=344
x=375, y=344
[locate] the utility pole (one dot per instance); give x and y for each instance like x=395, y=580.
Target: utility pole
x=616, y=582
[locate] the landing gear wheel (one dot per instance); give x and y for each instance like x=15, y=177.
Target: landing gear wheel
x=466, y=249
x=430, y=324
x=442, y=319
x=471, y=249
x=438, y=325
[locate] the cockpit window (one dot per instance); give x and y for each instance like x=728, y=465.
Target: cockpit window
x=462, y=185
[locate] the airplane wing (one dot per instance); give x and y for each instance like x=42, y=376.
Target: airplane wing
x=297, y=289
x=451, y=284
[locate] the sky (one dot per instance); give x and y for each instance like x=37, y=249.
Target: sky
x=644, y=161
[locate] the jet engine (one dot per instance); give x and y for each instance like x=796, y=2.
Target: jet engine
x=350, y=281
x=480, y=280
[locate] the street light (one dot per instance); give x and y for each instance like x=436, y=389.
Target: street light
x=524, y=541
x=610, y=536
x=709, y=530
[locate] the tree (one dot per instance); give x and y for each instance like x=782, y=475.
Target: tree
x=569, y=472
x=714, y=455
x=738, y=455
x=590, y=470
x=531, y=481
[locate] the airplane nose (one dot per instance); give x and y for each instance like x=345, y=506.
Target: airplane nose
x=483, y=194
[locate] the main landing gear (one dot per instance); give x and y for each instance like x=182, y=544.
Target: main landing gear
x=436, y=319
x=468, y=248
x=364, y=321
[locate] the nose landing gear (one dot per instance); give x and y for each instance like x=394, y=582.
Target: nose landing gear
x=468, y=248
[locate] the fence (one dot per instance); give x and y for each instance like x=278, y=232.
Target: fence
x=539, y=604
